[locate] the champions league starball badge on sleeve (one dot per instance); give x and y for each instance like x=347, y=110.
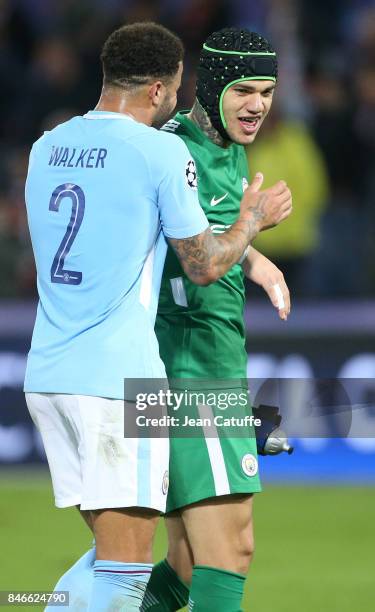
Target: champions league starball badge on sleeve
x=191, y=174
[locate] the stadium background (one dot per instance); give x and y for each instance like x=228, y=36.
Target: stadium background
x=314, y=522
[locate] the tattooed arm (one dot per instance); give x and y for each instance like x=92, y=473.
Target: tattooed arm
x=206, y=257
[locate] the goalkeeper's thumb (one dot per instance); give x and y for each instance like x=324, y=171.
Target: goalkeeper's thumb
x=256, y=183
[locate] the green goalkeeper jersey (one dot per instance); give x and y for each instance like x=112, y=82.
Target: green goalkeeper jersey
x=200, y=329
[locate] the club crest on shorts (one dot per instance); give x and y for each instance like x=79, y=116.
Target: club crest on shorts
x=245, y=183
x=249, y=464
x=165, y=483
x=191, y=174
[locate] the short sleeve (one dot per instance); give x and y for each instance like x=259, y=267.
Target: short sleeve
x=180, y=212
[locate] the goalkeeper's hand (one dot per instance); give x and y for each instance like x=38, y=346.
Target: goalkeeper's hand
x=263, y=272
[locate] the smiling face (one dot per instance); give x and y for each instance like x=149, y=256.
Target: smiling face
x=245, y=106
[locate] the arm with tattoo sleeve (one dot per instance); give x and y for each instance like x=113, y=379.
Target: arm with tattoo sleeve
x=206, y=257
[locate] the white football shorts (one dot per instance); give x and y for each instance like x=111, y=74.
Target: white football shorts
x=92, y=464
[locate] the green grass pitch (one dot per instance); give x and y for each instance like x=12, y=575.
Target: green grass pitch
x=315, y=545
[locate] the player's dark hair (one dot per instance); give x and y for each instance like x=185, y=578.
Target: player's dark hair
x=137, y=53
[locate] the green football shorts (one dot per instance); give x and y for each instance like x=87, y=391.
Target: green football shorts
x=213, y=448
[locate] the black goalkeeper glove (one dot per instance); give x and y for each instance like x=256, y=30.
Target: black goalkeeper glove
x=270, y=439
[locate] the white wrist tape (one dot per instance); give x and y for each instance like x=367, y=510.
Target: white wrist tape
x=279, y=296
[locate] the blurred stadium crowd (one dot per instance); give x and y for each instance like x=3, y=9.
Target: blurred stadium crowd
x=320, y=136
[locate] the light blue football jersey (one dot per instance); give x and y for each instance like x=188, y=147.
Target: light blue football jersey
x=102, y=193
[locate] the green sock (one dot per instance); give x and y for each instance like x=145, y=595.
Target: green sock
x=165, y=590
x=215, y=590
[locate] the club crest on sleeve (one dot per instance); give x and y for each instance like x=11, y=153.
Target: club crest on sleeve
x=191, y=174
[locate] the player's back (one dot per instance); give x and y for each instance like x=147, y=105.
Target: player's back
x=99, y=251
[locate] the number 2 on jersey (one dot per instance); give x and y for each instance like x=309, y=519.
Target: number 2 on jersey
x=77, y=197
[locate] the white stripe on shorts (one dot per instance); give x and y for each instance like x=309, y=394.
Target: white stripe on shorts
x=219, y=470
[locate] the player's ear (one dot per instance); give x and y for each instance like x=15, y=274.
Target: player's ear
x=155, y=92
